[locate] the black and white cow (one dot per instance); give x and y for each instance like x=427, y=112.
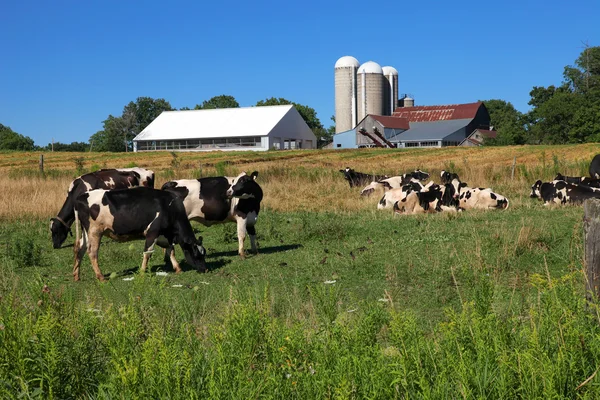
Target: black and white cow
x=448, y=177
x=396, y=194
x=60, y=226
x=561, y=192
x=579, y=180
x=477, y=198
x=217, y=200
x=355, y=178
x=595, y=167
x=131, y=214
x=431, y=199
x=395, y=182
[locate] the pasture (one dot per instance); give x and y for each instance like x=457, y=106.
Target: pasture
x=343, y=300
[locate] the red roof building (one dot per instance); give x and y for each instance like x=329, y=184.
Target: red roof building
x=438, y=113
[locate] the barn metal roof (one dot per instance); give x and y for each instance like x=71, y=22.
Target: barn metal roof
x=391, y=122
x=436, y=130
x=216, y=123
x=438, y=113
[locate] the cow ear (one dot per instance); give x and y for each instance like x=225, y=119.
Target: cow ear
x=463, y=184
x=199, y=240
x=254, y=175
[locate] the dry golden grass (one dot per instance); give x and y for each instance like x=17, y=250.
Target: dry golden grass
x=295, y=180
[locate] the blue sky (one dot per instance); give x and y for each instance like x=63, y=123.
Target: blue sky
x=67, y=65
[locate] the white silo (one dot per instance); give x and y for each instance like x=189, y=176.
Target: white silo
x=370, y=90
x=409, y=102
x=345, y=93
x=390, y=91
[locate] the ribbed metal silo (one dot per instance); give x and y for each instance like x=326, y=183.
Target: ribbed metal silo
x=390, y=91
x=345, y=93
x=409, y=102
x=370, y=87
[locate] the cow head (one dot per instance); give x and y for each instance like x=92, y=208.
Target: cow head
x=458, y=186
x=244, y=186
x=195, y=253
x=59, y=230
x=348, y=173
x=535, y=189
x=149, y=181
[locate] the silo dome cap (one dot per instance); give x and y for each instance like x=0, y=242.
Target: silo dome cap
x=390, y=71
x=370, y=67
x=347, y=61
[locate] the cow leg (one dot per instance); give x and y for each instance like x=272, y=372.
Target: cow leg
x=93, y=246
x=241, y=232
x=79, y=250
x=174, y=261
x=148, y=250
x=252, y=232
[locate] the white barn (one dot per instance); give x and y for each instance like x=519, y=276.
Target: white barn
x=246, y=128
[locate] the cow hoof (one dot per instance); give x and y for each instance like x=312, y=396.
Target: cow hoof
x=177, y=271
x=76, y=278
x=101, y=278
x=242, y=256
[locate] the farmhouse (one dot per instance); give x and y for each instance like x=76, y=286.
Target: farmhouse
x=420, y=126
x=246, y=128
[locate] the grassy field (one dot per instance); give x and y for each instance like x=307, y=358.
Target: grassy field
x=343, y=301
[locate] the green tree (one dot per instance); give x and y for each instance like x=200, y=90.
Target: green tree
x=507, y=121
x=222, y=101
x=11, y=140
x=309, y=115
x=585, y=74
x=73, y=146
x=118, y=132
x=554, y=119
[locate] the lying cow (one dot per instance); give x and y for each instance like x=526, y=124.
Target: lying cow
x=130, y=214
x=396, y=194
x=222, y=199
x=423, y=202
x=358, y=178
x=561, y=192
x=395, y=182
x=60, y=226
x=477, y=198
x=579, y=180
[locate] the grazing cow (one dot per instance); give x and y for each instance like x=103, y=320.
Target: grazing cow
x=479, y=198
x=130, y=214
x=561, y=192
x=595, y=167
x=579, y=180
x=222, y=199
x=358, y=178
x=60, y=226
x=448, y=177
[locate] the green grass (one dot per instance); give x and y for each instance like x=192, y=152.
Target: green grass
x=475, y=305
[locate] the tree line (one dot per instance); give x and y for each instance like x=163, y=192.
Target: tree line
x=568, y=113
